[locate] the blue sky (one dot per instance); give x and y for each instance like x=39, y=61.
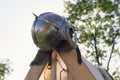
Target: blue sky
x=16, y=21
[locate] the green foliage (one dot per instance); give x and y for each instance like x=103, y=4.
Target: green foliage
x=99, y=23
x=4, y=68
x=116, y=74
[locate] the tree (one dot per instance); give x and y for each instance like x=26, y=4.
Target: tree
x=5, y=68
x=98, y=23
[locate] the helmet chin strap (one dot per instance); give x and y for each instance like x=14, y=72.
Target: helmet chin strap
x=78, y=55
x=77, y=49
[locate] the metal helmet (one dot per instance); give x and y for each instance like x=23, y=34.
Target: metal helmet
x=49, y=29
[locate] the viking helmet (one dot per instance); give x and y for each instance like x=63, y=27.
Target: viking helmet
x=49, y=29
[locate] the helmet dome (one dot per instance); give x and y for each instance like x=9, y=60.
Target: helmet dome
x=49, y=29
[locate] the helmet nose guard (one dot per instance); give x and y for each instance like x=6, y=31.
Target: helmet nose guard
x=49, y=29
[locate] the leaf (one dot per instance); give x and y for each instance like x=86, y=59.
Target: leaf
x=116, y=51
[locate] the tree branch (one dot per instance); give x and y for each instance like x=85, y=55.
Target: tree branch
x=113, y=46
x=96, y=50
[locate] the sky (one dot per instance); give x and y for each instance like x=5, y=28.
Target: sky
x=16, y=20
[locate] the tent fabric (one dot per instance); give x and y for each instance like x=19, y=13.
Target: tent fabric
x=75, y=71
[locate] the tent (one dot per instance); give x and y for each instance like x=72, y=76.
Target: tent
x=84, y=71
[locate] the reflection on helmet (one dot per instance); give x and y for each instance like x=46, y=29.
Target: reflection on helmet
x=49, y=29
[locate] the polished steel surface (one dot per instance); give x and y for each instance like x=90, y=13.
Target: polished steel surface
x=49, y=29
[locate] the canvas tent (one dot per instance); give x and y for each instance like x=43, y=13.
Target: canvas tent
x=85, y=71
